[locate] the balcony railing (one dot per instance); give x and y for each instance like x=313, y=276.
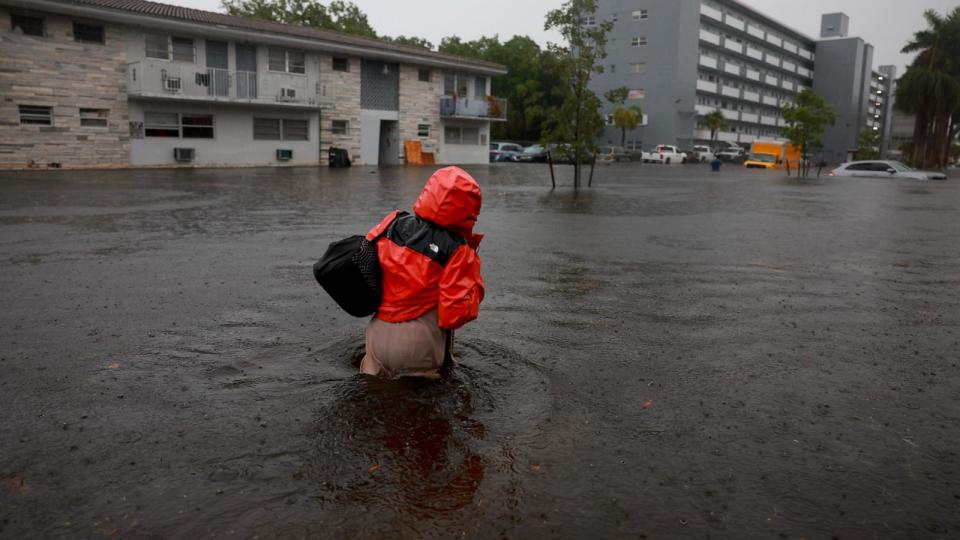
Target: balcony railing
x=492, y=109
x=158, y=78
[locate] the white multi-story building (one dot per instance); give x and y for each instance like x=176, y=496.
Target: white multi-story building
x=131, y=82
x=685, y=59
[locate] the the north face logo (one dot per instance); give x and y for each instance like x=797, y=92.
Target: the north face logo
x=434, y=248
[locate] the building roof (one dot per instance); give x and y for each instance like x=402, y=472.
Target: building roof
x=185, y=14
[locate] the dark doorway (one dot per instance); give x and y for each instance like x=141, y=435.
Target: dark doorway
x=389, y=143
x=246, y=71
x=218, y=76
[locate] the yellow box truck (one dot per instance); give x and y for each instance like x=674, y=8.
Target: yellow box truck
x=771, y=155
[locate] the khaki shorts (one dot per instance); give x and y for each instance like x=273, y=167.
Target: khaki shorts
x=408, y=349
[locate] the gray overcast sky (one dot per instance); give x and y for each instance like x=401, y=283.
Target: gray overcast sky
x=886, y=24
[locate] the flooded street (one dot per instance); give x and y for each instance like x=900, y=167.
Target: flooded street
x=670, y=353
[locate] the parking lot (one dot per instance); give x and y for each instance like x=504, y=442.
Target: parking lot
x=670, y=353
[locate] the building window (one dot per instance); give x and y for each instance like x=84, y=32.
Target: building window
x=639, y=67
x=296, y=62
x=281, y=129
x=480, y=87
x=182, y=49
x=613, y=68
x=187, y=126
x=286, y=60
x=590, y=20
x=162, y=46
x=94, y=117
x=423, y=130
x=156, y=46
x=161, y=124
x=423, y=75
x=35, y=115
x=266, y=129
x=639, y=41
x=451, y=135
x=640, y=15
x=88, y=33
x=295, y=129
x=30, y=26
x=462, y=135
x=341, y=64
x=340, y=127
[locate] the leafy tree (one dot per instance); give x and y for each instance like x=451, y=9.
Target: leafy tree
x=625, y=118
x=715, y=121
x=576, y=121
x=867, y=143
x=412, y=41
x=532, y=75
x=617, y=96
x=806, y=119
x=930, y=89
x=338, y=15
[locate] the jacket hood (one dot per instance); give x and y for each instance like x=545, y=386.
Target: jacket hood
x=451, y=199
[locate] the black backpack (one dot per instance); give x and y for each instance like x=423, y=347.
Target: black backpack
x=350, y=273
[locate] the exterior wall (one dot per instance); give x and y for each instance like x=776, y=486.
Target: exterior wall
x=232, y=144
x=420, y=104
x=888, y=85
x=901, y=132
x=268, y=83
x=370, y=136
x=749, y=66
x=58, y=72
x=465, y=154
x=670, y=58
x=701, y=56
x=342, y=90
x=842, y=78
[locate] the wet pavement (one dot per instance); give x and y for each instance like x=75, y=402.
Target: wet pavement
x=672, y=353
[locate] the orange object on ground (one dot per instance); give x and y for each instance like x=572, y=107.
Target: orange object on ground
x=414, y=152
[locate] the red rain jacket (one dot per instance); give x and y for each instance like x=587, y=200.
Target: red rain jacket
x=414, y=283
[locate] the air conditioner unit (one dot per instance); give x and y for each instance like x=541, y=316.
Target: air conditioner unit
x=171, y=84
x=288, y=94
x=284, y=154
x=184, y=154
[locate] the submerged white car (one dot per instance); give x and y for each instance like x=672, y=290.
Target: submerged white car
x=884, y=169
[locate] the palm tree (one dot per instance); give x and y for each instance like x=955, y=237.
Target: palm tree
x=715, y=122
x=627, y=118
x=930, y=89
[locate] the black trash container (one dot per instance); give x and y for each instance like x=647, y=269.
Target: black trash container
x=338, y=157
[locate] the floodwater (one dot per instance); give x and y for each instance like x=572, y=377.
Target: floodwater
x=670, y=353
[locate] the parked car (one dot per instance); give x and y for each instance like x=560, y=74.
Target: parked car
x=563, y=154
x=702, y=154
x=504, y=151
x=885, y=169
x=665, y=154
x=613, y=153
x=535, y=153
x=734, y=154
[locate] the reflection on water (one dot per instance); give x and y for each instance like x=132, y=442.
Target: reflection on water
x=412, y=457
x=410, y=443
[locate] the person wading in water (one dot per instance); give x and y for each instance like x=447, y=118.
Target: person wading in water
x=431, y=278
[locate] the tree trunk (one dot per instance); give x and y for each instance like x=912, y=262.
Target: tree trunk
x=919, y=137
x=623, y=137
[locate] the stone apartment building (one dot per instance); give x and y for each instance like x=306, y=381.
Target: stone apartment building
x=116, y=83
